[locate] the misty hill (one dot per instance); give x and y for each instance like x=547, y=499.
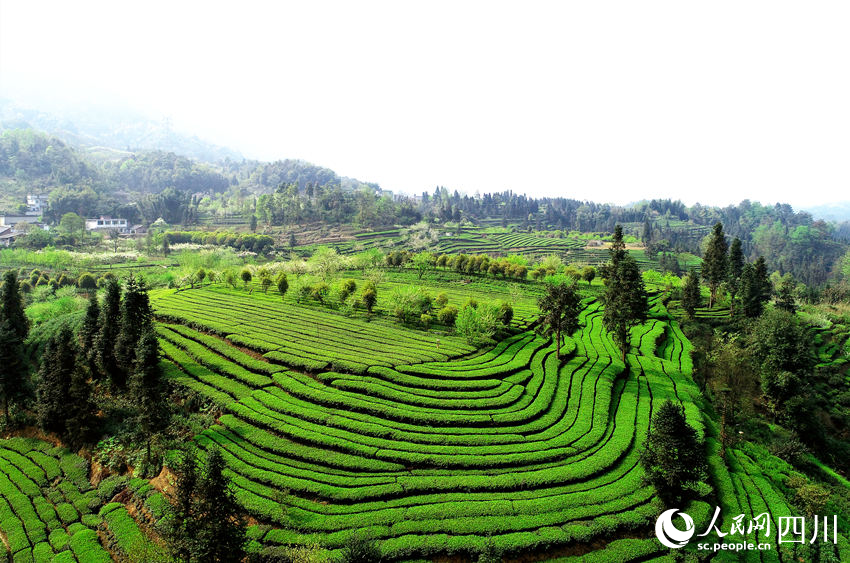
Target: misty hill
x=118, y=129
x=831, y=212
x=33, y=161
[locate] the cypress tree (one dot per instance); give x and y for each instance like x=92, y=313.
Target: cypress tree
x=220, y=532
x=11, y=306
x=715, y=264
x=88, y=334
x=625, y=299
x=691, y=294
x=647, y=232
x=14, y=327
x=785, y=299
x=182, y=526
x=736, y=268
x=674, y=459
x=136, y=317
x=755, y=288
x=81, y=419
x=618, y=246
x=12, y=365
x=57, y=365
x=110, y=324
x=146, y=386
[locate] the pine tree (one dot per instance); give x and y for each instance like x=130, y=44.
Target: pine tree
x=736, y=267
x=110, y=325
x=146, y=386
x=715, y=264
x=12, y=366
x=625, y=299
x=11, y=305
x=674, y=460
x=81, y=421
x=57, y=365
x=88, y=334
x=220, y=531
x=691, y=297
x=136, y=317
x=560, y=306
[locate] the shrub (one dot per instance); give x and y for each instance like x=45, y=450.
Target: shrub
x=320, y=291
x=506, y=313
x=361, y=549
x=447, y=315
x=86, y=281
x=246, y=277
x=282, y=283
x=369, y=298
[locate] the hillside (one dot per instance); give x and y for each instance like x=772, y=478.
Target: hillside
x=117, y=129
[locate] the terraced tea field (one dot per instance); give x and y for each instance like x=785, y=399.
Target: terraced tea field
x=307, y=338
x=333, y=426
x=430, y=452
x=49, y=510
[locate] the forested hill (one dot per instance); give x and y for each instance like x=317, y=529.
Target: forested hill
x=143, y=186
x=96, y=180
x=118, y=129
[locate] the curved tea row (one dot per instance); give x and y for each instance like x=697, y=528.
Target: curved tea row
x=511, y=446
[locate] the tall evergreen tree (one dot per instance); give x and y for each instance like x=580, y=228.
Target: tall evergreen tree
x=181, y=527
x=674, y=460
x=560, y=306
x=12, y=365
x=57, y=365
x=81, y=421
x=691, y=294
x=136, y=318
x=11, y=305
x=755, y=288
x=625, y=299
x=715, y=263
x=146, y=386
x=736, y=268
x=647, y=231
x=220, y=532
x=785, y=299
x=88, y=334
x=618, y=246
x=110, y=325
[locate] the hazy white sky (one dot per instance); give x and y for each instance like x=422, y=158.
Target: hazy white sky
x=609, y=101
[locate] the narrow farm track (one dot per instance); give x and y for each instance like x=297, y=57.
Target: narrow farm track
x=429, y=454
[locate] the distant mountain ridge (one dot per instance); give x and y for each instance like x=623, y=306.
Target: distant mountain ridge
x=119, y=130
x=831, y=212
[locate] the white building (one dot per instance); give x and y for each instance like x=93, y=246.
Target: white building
x=36, y=204
x=106, y=224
